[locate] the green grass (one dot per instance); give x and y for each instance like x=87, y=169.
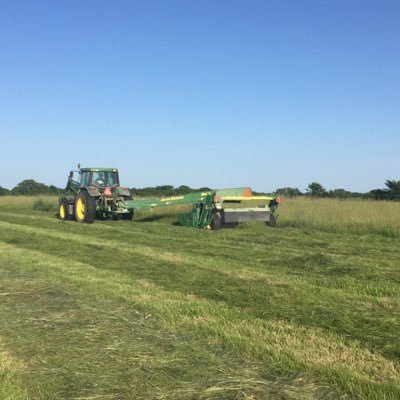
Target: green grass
x=151, y=310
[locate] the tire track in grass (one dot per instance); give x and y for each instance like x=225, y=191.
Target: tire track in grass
x=287, y=347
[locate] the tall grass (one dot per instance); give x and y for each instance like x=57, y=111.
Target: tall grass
x=24, y=203
x=342, y=216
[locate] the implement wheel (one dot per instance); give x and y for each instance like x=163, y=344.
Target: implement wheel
x=85, y=208
x=63, y=210
x=272, y=221
x=127, y=217
x=216, y=222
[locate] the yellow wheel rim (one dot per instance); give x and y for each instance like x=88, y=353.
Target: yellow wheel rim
x=80, y=209
x=61, y=211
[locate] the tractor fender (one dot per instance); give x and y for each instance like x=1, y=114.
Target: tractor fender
x=93, y=191
x=122, y=191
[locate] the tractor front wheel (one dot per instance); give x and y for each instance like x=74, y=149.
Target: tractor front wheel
x=63, y=210
x=85, y=208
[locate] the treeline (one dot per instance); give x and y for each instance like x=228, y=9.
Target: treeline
x=165, y=190
x=29, y=187
x=316, y=190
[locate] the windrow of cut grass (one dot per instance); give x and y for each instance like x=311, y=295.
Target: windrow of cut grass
x=10, y=385
x=153, y=310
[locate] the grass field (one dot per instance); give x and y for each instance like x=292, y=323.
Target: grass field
x=151, y=310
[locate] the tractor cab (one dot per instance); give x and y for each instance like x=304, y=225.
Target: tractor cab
x=99, y=177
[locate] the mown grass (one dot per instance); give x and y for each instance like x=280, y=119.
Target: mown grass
x=156, y=311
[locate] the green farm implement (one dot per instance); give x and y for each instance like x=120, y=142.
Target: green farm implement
x=96, y=193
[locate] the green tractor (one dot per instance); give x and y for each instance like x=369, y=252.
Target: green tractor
x=94, y=193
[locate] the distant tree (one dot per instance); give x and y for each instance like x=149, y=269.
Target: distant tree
x=359, y=195
x=315, y=189
x=339, y=194
x=393, y=189
x=29, y=187
x=54, y=190
x=4, y=191
x=165, y=190
x=379, y=194
x=183, y=189
x=202, y=189
x=288, y=192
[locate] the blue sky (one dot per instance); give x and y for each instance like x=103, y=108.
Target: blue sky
x=212, y=93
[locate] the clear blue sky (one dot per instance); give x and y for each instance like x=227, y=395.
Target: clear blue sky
x=218, y=93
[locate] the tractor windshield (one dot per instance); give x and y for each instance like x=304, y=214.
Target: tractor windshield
x=99, y=178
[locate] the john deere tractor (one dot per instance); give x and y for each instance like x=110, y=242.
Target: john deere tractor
x=94, y=193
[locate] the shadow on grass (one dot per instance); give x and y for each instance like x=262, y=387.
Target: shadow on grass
x=150, y=218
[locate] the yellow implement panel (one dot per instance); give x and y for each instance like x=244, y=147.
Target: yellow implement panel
x=242, y=198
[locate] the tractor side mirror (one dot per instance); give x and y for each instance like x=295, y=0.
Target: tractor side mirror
x=71, y=174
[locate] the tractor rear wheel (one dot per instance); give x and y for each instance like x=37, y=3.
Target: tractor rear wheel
x=63, y=210
x=85, y=207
